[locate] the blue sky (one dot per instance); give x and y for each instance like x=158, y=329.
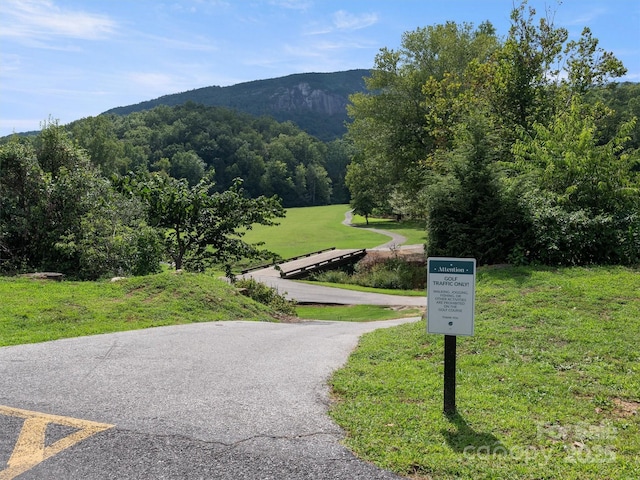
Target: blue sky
x=69, y=59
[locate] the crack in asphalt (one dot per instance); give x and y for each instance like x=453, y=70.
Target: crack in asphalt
x=231, y=445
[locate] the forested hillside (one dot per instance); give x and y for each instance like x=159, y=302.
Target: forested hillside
x=190, y=141
x=316, y=102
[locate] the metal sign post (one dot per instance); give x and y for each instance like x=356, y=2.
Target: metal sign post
x=450, y=311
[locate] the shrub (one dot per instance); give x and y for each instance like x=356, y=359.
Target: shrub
x=579, y=237
x=393, y=273
x=267, y=296
x=332, y=276
x=389, y=273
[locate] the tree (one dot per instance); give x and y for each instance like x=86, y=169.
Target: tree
x=537, y=70
x=66, y=216
x=318, y=184
x=338, y=153
x=583, y=195
x=201, y=226
x=391, y=133
x=97, y=136
x=362, y=201
x=22, y=197
x=187, y=165
x=460, y=126
x=470, y=213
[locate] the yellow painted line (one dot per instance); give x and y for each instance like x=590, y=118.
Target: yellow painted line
x=30, y=449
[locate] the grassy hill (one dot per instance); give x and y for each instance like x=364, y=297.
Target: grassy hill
x=42, y=310
x=547, y=388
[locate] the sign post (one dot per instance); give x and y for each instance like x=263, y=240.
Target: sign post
x=451, y=286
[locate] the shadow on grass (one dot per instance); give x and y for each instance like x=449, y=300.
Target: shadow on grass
x=390, y=225
x=466, y=440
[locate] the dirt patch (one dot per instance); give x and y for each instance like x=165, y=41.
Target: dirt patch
x=625, y=408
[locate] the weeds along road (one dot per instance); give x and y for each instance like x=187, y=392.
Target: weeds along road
x=226, y=400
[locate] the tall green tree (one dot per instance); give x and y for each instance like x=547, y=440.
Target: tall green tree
x=431, y=112
x=390, y=132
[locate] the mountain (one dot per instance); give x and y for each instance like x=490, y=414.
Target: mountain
x=316, y=102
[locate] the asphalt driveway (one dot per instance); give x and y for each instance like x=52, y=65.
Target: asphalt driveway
x=227, y=400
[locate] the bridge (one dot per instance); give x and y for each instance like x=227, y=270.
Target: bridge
x=304, y=265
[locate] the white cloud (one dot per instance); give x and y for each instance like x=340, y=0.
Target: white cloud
x=292, y=4
x=344, y=20
x=586, y=17
x=42, y=19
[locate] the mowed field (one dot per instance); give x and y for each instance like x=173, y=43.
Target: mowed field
x=311, y=229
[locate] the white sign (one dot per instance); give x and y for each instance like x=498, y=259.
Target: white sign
x=451, y=289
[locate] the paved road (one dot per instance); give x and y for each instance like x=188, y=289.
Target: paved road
x=306, y=293
x=396, y=239
x=227, y=400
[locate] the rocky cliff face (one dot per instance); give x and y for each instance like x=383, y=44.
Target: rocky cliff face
x=302, y=97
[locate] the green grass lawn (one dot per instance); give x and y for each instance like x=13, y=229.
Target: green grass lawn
x=414, y=231
x=310, y=229
x=41, y=310
x=547, y=388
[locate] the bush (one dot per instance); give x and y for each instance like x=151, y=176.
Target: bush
x=332, y=276
x=267, y=296
x=392, y=273
x=579, y=237
x=389, y=273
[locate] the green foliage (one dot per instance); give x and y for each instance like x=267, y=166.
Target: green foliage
x=360, y=184
x=261, y=293
x=390, y=274
x=504, y=147
x=469, y=213
x=60, y=214
x=569, y=160
x=202, y=227
x=578, y=236
x=583, y=195
x=193, y=141
x=392, y=130
x=394, y=274
x=623, y=100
